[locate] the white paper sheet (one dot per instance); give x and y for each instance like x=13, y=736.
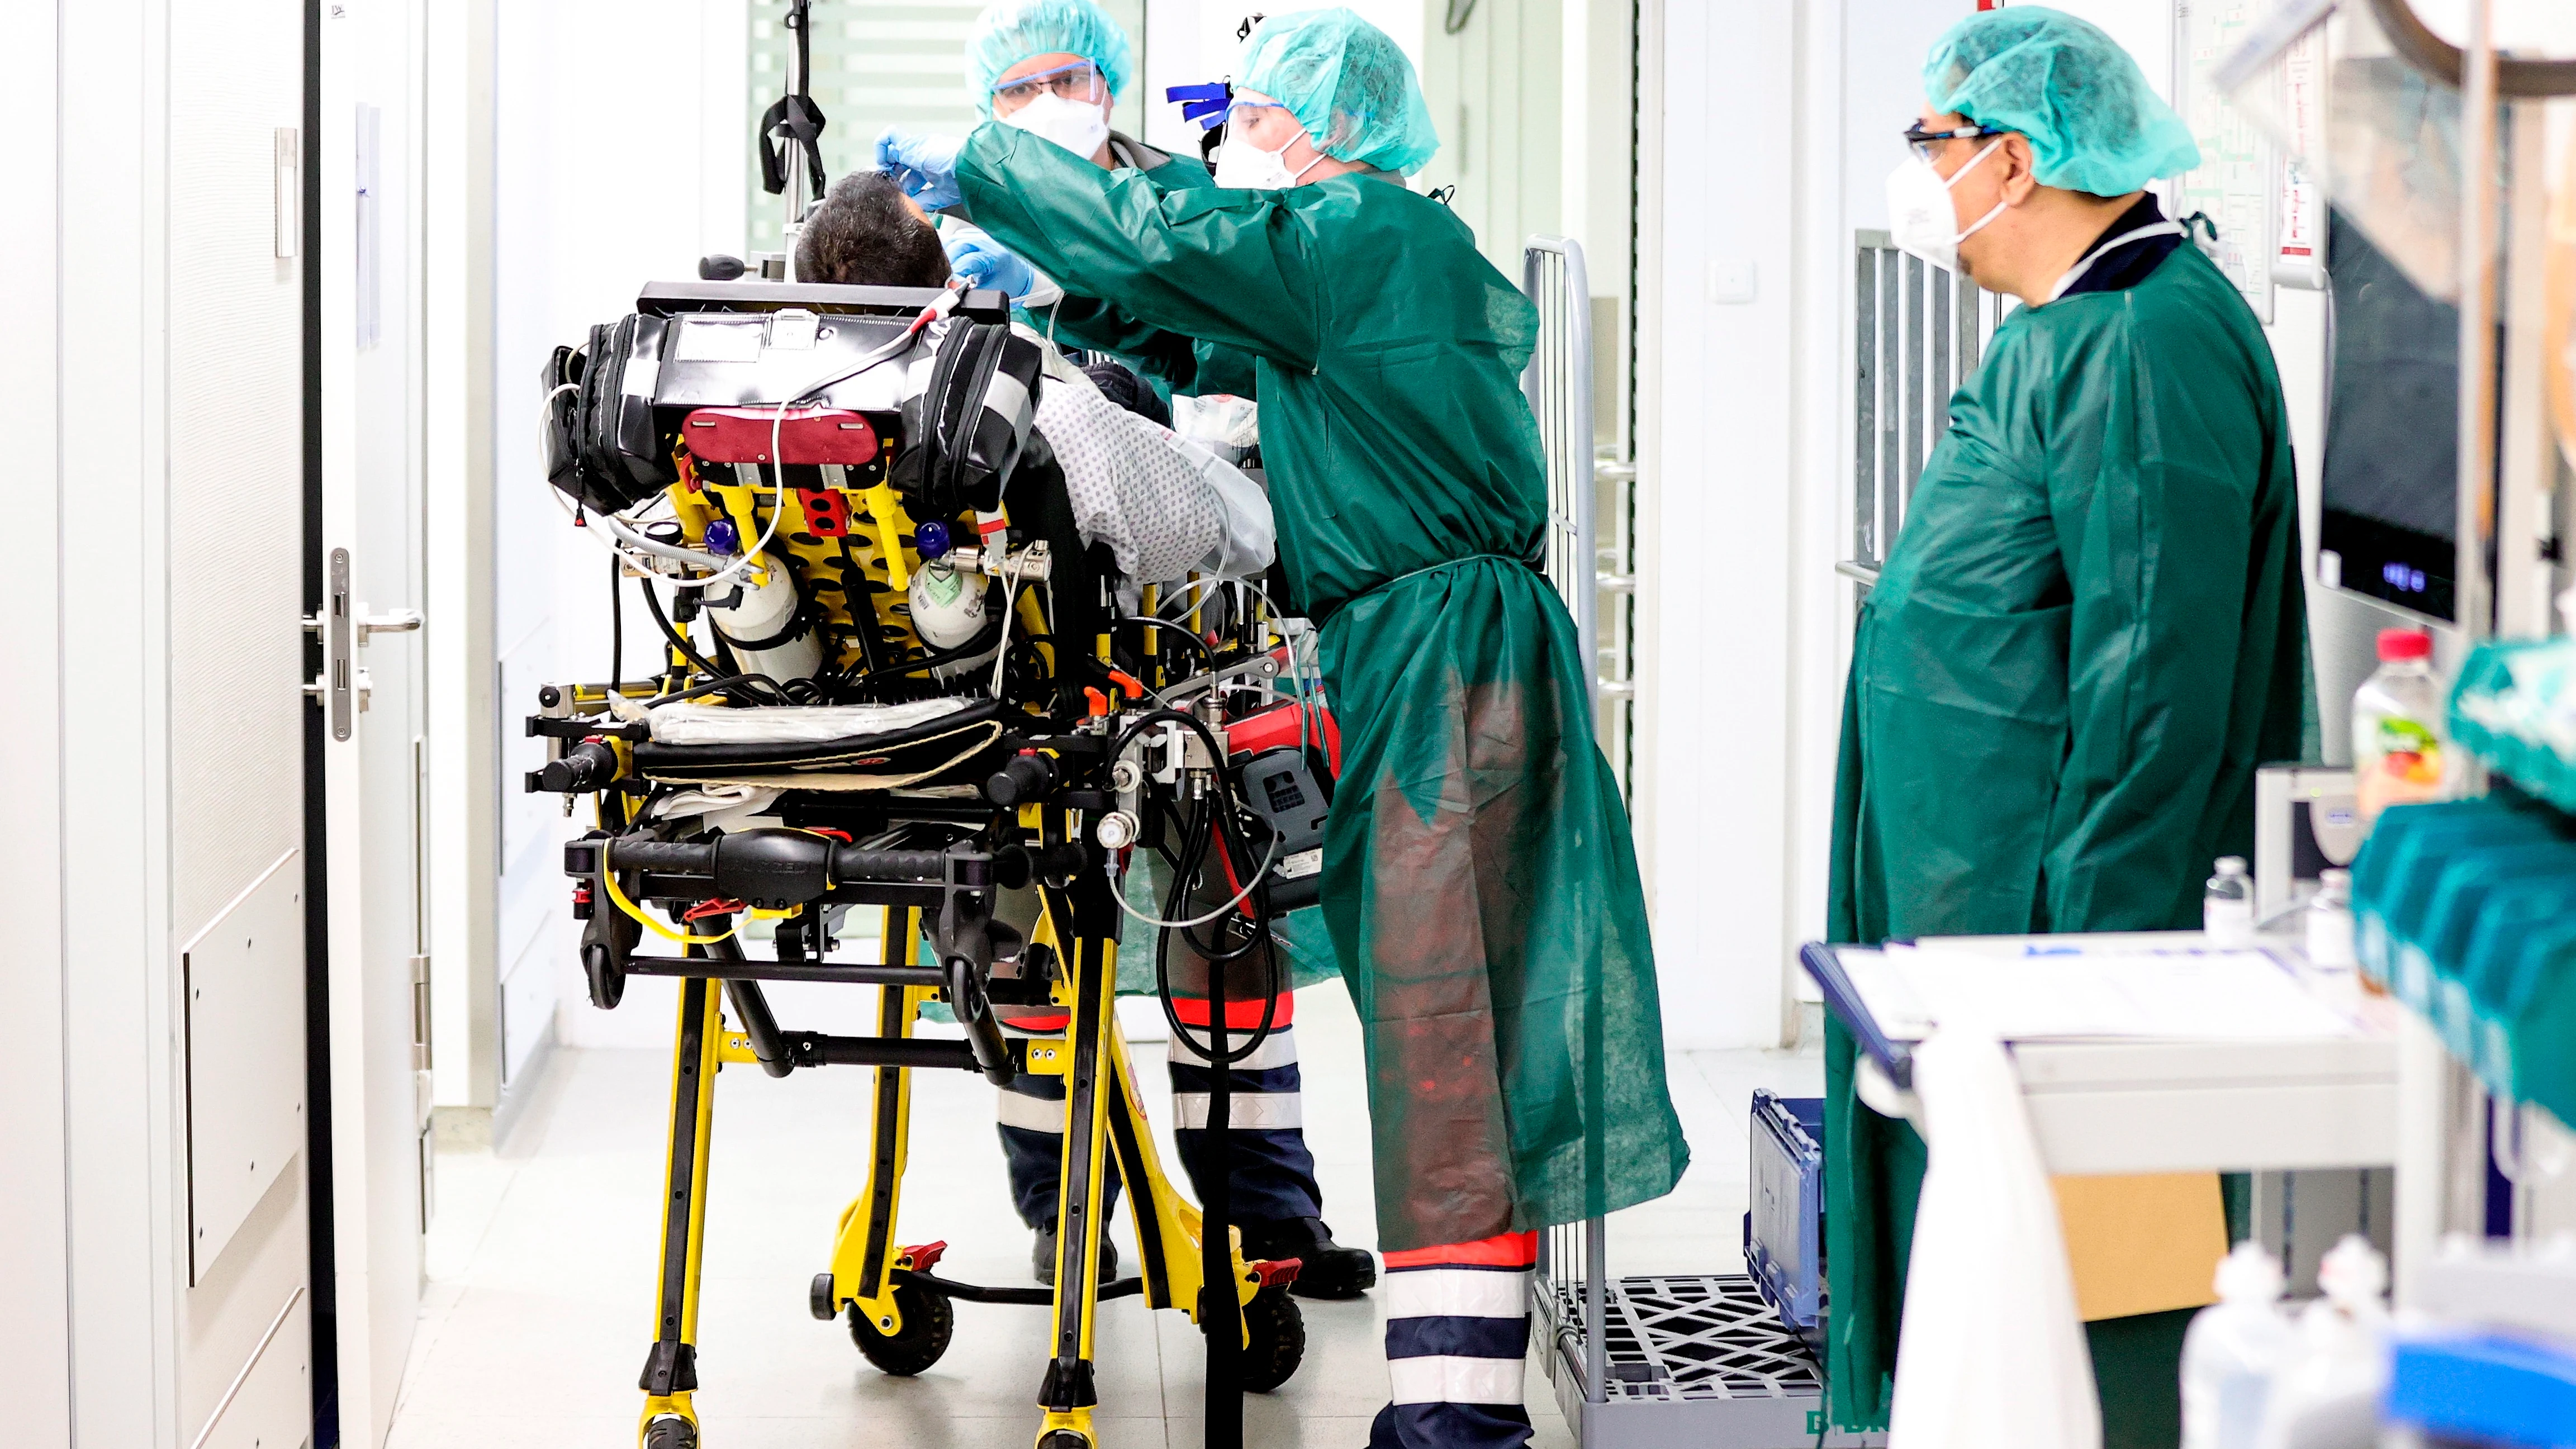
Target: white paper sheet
x=2055, y=992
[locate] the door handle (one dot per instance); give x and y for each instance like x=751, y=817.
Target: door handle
x=398, y=621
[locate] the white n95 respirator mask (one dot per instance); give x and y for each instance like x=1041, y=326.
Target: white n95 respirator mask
x=1078, y=126
x=1921, y=220
x=1242, y=166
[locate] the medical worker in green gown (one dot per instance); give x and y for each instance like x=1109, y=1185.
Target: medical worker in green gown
x=2089, y=631
x=1479, y=881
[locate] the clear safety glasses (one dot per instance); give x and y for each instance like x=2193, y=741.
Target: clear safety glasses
x=1245, y=112
x=1079, y=81
x=1927, y=144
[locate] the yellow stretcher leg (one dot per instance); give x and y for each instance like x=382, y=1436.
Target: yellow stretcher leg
x=671, y=1368
x=1091, y=1085
x=901, y=1331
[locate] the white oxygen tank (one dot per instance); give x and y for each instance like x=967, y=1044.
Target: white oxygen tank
x=762, y=624
x=947, y=603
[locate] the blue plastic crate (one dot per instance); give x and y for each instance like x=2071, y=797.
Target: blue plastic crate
x=2488, y=1388
x=1784, y=1233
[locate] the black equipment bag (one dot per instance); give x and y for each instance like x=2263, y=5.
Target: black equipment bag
x=602, y=446
x=970, y=425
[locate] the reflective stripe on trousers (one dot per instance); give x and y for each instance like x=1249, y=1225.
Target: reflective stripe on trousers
x=1274, y=1173
x=1457, y=1337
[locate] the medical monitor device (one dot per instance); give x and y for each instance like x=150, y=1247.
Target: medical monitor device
x=2389, y=525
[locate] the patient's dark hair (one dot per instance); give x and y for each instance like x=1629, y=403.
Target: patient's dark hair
x=864, y=234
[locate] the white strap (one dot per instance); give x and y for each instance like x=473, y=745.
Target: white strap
x=2076, y=273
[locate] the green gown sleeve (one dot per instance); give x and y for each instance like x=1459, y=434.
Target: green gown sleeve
x=2157, y=513
x=1180, y=364
x=1234, y=268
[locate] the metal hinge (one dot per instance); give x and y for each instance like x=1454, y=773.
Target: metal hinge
x=420, y=1032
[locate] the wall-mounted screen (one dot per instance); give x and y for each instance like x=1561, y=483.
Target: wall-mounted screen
x=2392, y=433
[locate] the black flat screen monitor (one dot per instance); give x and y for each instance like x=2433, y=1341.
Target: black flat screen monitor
x=2391, y=488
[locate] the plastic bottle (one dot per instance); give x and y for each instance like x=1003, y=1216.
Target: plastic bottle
x=2231, y=1352
x=2326, y=1393
x=2329, y=913
x=947, y=606
x=2227, y=909
x=2398, y=741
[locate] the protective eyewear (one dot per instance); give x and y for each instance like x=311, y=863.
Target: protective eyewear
x=1927, y=144
x=1079, y=81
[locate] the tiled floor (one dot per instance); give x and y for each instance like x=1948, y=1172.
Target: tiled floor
x=536, y=1319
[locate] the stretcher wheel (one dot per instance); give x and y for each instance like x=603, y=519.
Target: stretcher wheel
x=670, y=1432
x=1276, y=1334
x=929, y=1322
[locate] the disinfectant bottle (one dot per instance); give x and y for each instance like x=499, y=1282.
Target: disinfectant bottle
x=947, y=605
x=2231, y=1352
x=2397, y=734
x=2326, y=1395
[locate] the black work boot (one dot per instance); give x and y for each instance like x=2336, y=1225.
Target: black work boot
x=1042, y=1257
x=1326, y=1268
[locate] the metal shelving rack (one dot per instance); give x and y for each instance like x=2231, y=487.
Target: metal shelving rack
x=1671, y=1361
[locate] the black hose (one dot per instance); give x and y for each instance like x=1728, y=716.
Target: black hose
x=1196, y=837
x=679, y=641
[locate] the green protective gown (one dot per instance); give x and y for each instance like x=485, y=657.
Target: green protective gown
x=1479, y=881
x=2089, y=634
x=1169, y=363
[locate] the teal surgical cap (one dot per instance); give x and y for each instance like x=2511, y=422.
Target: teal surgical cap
x=1346, y=83
x=1010, y=31
x=2093, y=124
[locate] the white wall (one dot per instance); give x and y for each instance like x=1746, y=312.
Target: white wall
x=35, y=1278
x=1719, y=505
x=614, y=166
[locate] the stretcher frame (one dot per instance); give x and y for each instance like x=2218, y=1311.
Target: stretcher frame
x=888, y=1290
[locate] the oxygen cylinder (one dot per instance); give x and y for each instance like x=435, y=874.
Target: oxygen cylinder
x=947, y=605
x=763, y=622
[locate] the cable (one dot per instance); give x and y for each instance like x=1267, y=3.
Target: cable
x=1309, y=733
x=976, y=645
x=680, y=641
x=1214, y=753
x=1145, y=622
x=1010, y=606
x=616, y=625
x=1162, y=966
x=616, y=896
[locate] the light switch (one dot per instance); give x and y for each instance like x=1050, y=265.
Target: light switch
x=1731, y=281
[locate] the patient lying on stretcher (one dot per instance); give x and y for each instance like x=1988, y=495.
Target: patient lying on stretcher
x=1163, y=506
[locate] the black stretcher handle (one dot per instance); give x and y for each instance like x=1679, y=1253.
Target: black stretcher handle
x=775, y=868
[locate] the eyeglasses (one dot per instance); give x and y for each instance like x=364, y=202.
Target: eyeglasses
x=1927, y=144
x=1079, y=81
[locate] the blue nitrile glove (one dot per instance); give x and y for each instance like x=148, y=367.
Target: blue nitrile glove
x=924, y=166
x=984, y=262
